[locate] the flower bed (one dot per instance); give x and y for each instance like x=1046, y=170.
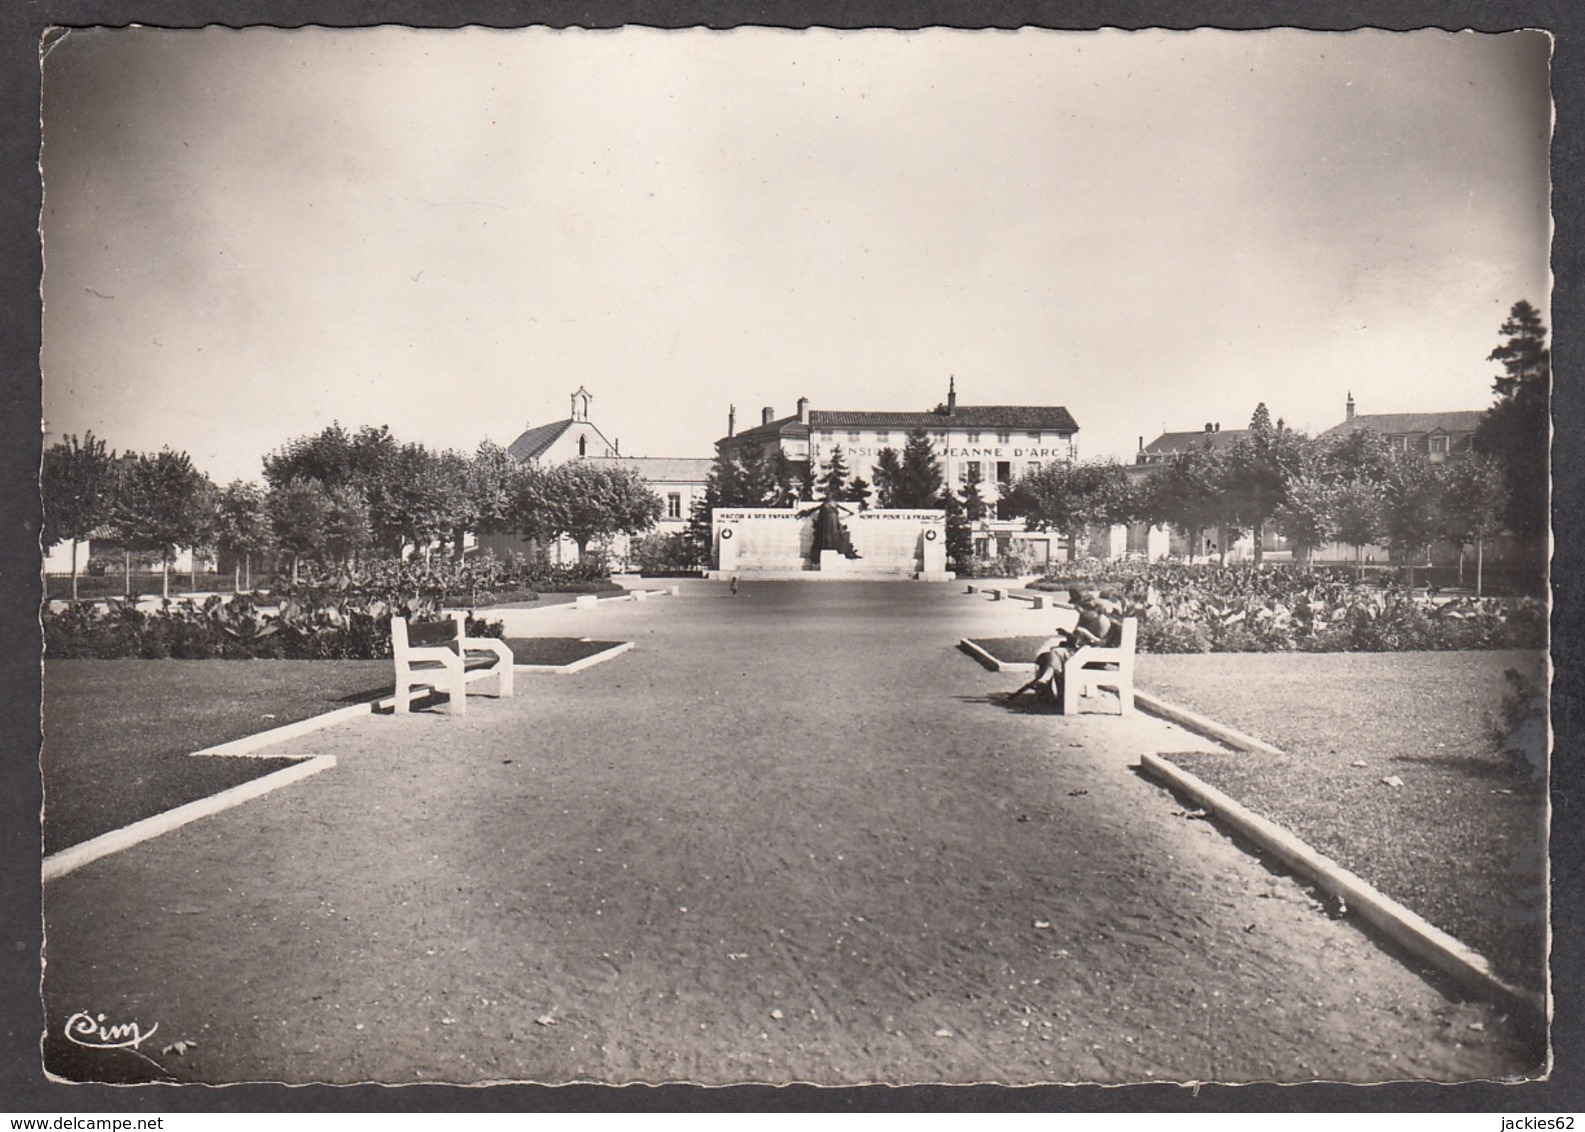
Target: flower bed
x=321, y=617
x=1208, y=608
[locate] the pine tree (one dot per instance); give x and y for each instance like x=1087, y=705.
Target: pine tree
x=833, y=482
x=1515, y=431
x=920, y=478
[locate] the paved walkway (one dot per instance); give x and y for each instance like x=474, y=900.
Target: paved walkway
x=792, y=836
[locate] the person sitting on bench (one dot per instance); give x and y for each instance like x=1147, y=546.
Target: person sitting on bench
x=1096, y=626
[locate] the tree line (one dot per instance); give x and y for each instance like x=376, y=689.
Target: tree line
x=1351, y=489
x=334, y=498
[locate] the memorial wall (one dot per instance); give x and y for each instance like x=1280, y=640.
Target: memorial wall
x=781, y=540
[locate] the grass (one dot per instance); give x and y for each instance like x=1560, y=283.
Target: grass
x=1461, y=841
x=1010, y=650
x=554, y=652
x=118, y=733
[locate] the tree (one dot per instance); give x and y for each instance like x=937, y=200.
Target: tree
x=1516, y=430
x=1258, y=471
x=241, y=527
x=490, y=479
x=584, y=501
x=1304, y=518
x=1070, y=498
x=919, y=478
x=300, y=516
x=163, y=503
x=1411, y=507
x=859, y=491
x=345, y=531
x=1357, y=516
x=792, y=480
x=1474, y=498
x=77, y=482
x=833, y=482
x=888, y=475
x=1187, y=492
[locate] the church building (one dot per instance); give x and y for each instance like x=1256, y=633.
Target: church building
x=677, y=480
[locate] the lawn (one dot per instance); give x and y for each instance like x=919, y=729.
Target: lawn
x=1461, y=840
x=553, y=652
x=117, y=733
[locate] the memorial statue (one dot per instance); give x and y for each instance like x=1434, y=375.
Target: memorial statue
x=830, y=534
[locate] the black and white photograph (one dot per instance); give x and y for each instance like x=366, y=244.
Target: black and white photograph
x=774, y=556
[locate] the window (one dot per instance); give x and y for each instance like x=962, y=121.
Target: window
x=583, y=446
x=674, y=505
x=974, y=438
x=1398, y=443
x=974, y=469
x=1004, y=472
x=882, y=436
x=1004, y=438
x=939, y=437
x=827, y=435
x=1035, y=436
x=1439, y=446
x=853, y=436
x=963, y=473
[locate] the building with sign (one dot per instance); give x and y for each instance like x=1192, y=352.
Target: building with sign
x=994, y=444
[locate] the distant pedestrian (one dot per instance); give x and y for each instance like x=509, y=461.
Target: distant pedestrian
x=734, y=585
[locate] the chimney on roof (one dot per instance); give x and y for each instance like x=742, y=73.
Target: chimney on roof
x=766, y=415
x=803, y=410
x=952, y=394
x=1141, y=444
x=1348, y=407
x=731, y=420
x=1218, y=426
x=1208, y=427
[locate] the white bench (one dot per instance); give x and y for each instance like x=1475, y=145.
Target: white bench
x=1093, y=668
x=437, y=655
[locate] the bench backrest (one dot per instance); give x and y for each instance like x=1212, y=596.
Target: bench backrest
x=421, y=634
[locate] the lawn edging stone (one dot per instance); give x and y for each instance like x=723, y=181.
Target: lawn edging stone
x=67, y=860
x=1202, y=724
x=1409, y=930
x=249, y=745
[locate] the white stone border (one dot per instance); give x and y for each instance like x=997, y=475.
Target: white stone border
x=1202, y=724
x=248, y=746
x=57, y=865
x=1418, y=936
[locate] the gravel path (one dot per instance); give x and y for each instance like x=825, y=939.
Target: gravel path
x=792, y=836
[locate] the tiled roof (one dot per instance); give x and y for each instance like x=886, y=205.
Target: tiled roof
x=1398, y=424
x=1171, y=443
x=1049, y=418
x=1029, y=418
x=787, y=426
x=533, y=443
x=665, y=469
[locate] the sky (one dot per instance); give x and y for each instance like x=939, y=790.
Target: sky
x=251, y=234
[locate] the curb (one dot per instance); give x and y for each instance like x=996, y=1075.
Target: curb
x=577, y=665
x=1202, y=724
x=248, y=744
x=59, y=864
x=1412, y=932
